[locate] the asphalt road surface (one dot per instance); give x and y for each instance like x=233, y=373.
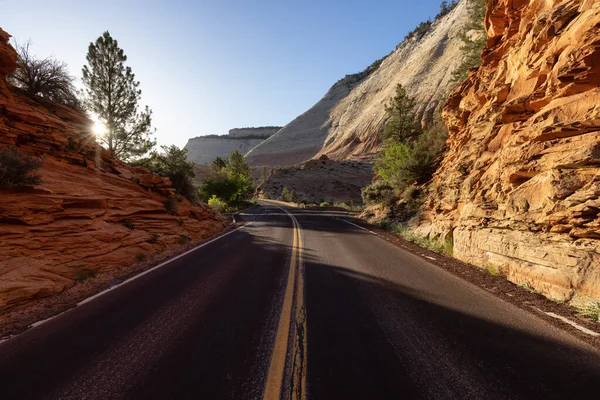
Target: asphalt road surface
x=297, y=304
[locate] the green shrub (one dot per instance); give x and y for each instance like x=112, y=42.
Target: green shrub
x=433, y=244
x=393, y=158
x=325, y=204
x=492, y=270
x=172, y=163
x=385, y=224
x=410, y=193
x=139, y=256
x=153, y=239
x=171, y=205
x=18, y=168
x=289, y=196
x=84, y=274
x=230, y=187
x=267, y=196
x=217, y=204
x=474, y=39
x=341, y=204
x=128, y=224
x=590, y=310
x=402, y=165
x=378, y=191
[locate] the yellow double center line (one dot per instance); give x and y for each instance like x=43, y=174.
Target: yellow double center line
x=292, y=324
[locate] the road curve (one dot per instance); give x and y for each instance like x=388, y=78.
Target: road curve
x=309, y=306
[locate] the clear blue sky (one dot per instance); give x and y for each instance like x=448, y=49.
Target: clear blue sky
x=210, y=65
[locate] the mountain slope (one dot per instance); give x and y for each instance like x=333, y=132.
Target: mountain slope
x=346, y=122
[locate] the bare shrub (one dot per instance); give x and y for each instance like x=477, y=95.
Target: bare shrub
x=47, y=78
x=18, y=168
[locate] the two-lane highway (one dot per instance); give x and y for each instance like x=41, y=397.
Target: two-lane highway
x=297, y=304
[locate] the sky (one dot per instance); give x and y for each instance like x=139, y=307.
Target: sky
x=207, y=66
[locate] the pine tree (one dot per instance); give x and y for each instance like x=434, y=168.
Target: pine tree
x=237, y=165
x=400, y=126
x=444, y=9
x=113, y=95
x=218, y=164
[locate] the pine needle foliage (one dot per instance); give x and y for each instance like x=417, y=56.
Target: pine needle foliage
x=112, y=93
x=401, y=126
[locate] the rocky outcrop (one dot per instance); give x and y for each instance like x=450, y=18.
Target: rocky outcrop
x=519, y=187
x=347, y=121
x=90, y=212
x=202, y=150
x=320, y=180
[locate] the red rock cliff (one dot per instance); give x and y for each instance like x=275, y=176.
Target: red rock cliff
x=76, y=218
x=519, y=187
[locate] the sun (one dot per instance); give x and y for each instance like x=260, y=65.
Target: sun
x=99, y=128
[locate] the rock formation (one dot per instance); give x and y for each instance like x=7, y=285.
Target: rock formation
x=316, y=181
x=347, y=121
x=202, y=150
x=90, y=212
x=519, y=187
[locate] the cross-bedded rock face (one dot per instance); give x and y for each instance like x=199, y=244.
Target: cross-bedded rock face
x=520, y=185
x=91, y=211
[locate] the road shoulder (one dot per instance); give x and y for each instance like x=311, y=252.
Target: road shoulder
x=559, y=315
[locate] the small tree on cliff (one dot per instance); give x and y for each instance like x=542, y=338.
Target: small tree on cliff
x=400, y=126
x=113, y=94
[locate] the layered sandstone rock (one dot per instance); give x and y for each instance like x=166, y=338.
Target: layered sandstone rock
x=90, y=212
x=202, y=150
x=519, y=187
x=346, y=122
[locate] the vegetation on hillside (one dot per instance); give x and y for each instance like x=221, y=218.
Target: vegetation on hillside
x=409, y=157
x=18, y=168
x=474, y=39
x=172, y=162
x=401, y=125
x=445, y=8
x=47, y=78
x=112, y=93
x=230, y=183
x=424, y=27
x=289, y=196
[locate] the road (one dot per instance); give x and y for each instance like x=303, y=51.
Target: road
x=297, y=304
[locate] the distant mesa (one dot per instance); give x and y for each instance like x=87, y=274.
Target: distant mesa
x=202, y=150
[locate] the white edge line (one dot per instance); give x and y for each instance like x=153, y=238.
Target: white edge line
x=38, y=323
x=551, y=314
x=159, y=266
x=358, y=226
x=568, y=321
